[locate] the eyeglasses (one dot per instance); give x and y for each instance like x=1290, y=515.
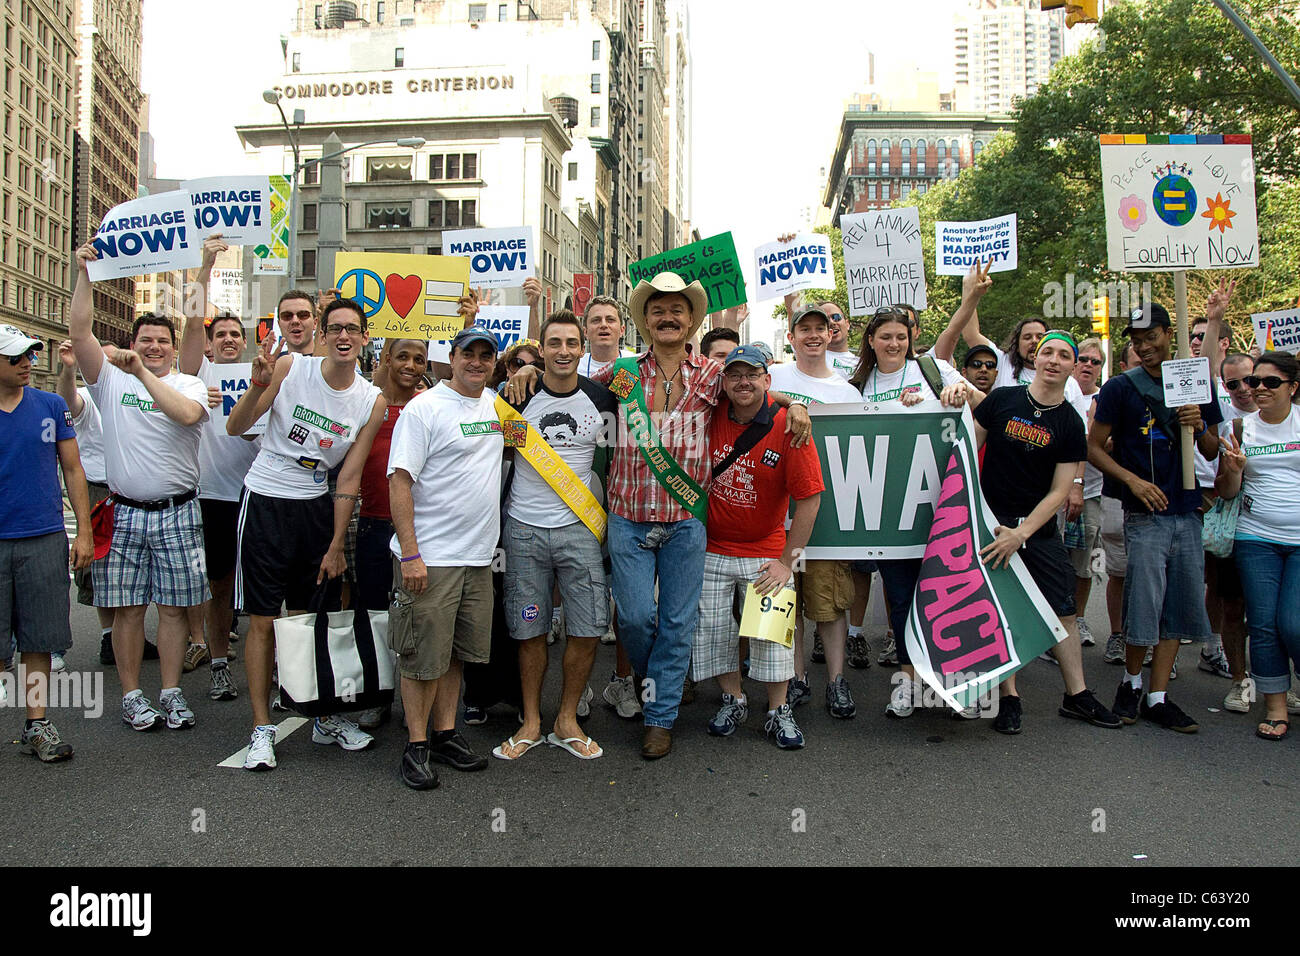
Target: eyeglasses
x=982, y=363
x=1233, y=384
x=750, y=376
x=29, y=354
x=1268, y=381
x=305, y=315
x=337, y=329
x=1089, y=360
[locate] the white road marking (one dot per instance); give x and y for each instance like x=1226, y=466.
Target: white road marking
x=282, y=731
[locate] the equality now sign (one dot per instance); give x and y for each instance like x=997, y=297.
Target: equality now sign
x=906, y=485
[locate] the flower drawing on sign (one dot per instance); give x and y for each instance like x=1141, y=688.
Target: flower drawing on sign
x=1218, y=213
x=1132, y=212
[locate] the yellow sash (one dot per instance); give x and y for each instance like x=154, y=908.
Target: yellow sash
x=555, y=471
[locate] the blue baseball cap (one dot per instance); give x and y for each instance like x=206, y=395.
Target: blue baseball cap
x=473, y=334
x=748, y=354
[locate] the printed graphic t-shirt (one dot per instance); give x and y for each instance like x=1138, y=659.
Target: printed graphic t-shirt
x=1271, y=480
x=833, y=389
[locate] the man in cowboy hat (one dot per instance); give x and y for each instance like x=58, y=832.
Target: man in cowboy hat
x=657, y=495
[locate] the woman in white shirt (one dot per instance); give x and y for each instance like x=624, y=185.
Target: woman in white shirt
x=1263, y=467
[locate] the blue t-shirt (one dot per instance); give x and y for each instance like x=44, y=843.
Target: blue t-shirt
x=31, y=499
x=1143, y=447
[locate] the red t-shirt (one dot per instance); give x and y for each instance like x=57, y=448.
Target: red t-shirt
x=374, y=474
x=749, y=501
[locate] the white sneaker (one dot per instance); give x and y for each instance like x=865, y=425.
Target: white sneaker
x=140, y=714
x=584, y=702
x=621, y=695
x=57, y=663
x=901, y=701
x=261, y=749
x=1085, y=633
x=557, y=627
x=1240, y=696
x=179, y=715
x=1292, y=702
x=337, y=729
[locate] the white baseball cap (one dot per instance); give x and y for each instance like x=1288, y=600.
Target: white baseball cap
x=15, y=342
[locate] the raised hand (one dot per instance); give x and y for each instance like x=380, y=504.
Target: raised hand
x=532, y=290
x=66, y=355
x=1234, y=459
x=85, y=255
x=1216, y=305
x=212, y=246
x=976, y=282
x=128, y=360
x=264, y=360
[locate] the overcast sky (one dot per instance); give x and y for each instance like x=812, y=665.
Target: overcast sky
x=770, y=80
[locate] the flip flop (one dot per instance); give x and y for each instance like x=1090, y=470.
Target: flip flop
x=566, y=743
x=511, y=744
x=1274, y=724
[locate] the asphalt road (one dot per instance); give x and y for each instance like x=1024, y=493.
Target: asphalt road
x=928, y=790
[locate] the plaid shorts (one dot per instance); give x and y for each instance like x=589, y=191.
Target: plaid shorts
x=156, y=556
x=717, y=633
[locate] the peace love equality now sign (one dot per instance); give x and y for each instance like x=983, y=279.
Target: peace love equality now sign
x=405, y=296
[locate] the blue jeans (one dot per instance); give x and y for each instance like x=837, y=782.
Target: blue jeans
x=1270, y=579
x=899, y=579
x=658, y=640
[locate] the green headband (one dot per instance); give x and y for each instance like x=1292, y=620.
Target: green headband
x=1065, y=337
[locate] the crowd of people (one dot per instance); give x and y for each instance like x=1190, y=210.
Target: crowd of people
x=674, y=479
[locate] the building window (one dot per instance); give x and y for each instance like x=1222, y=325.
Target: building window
x=595, y=117
x=297, y=62
x=309, y=217
x=308, y=263
x=573, y=172
x=469, y=166
x=388, y=215
x=311, y=174
x=595, y=49
x=399, y=56
x=502, y=13
x=453, y=166
x=884, y=191
x=595, y=82
x=379, y=13
x=469, y=212
x=389, y=169
x=452, y=213
x=871, y=190
x=477, y=12
x=921, y=148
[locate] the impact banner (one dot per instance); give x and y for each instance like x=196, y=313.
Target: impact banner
x=405, y=296
x=1178, y=202
x=712, y=261
x=237, y=207
x=970, y=625
x=884, y=263
x=959, y=245
x=784, y=267
x=144, y=236
x=498, y=258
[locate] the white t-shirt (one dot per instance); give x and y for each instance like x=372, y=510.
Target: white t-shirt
x=787, y=378
x=1206, y=470
x=572, y=423
x=451, y=446
x=1005, y=377
x=224, y=459
x=1092, y=477
x=147, y=456
x=891, y=386
x=841, y=363
x=1271, y=481
x=90, y=438
x=587, y=364
x=309, y=430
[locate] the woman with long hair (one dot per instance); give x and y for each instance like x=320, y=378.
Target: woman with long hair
x=524, y=352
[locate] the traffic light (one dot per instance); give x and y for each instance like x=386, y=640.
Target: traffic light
x=1101, y=315
x=1076, y=11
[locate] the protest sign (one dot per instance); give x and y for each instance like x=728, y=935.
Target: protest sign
x=232, y=381
x=784, y=267
x=971, y=625
x=146, y=235
x=226, y=290
x=506, y=322
x=272, y=258
x=497, y=257
x=959, y=245
x=712, y=261
x=584, y=287
x=863, y=452
x=769, y=617
x=1282, y=328
x=237, y=207
x=1178, y=202
x=1186, y=382
x=406, y=296
x=883, y=260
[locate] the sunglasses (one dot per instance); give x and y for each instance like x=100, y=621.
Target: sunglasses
x=1268, y=381
x=518, y=363
x=982, y=363
x=1198, y=336
x=1089, y=360
x=29, y=354
x=1233, y=384
x=305, y=315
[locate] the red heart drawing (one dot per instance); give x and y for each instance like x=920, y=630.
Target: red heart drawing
x=402, y=292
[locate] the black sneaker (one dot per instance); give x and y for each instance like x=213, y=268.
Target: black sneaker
x=839, y=702
x=416, y=771
x=106, y=650
x=818, y=652
x=150, y=651
x=1085, y=706
x=455, y=752
x=859, y=652
x=1127, y=699
x=1008, y=719
x=1168, y=715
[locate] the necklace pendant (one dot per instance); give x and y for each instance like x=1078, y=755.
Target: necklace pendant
x=1037, y=413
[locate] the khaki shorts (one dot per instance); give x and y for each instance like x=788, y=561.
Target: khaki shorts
x=825, y=589
x=452, y=613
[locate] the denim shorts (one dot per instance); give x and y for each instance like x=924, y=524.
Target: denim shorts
x=1164, y=590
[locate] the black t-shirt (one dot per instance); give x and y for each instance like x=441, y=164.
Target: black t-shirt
x=1022, y=450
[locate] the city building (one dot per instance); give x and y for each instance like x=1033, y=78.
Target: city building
x=108, y=37
x=677, y=122
x=1003, y=50
x=887, y=155
x=655, y=225
x=35, y=236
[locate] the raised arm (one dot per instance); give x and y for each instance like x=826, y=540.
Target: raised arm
x=533, y=296
x=80, y=330
x=194, y=335
x=181, y=410
x=263, y=385
x=1216, y=310
x=974, y=284
x=66, y=384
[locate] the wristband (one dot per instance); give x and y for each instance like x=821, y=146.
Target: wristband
x=253, y=381
x=1078, y=481
x=414, y=557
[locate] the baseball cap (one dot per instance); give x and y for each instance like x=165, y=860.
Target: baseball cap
x=14, y=342
x=473, y=334
x=747, y=354
x=975, y=350
x=764, y=348
x=1153, y=313
x=806, y=311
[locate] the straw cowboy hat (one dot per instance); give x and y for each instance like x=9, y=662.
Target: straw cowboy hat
x=668, y=282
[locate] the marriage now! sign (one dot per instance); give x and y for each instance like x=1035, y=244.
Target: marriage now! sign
x=405, y=296
x=1179, y=202
x=712, y=261
x=144, y=236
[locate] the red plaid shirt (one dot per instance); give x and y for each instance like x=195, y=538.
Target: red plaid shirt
x=683, y=433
